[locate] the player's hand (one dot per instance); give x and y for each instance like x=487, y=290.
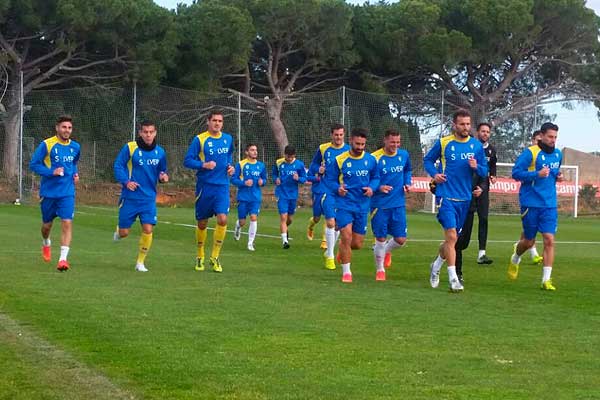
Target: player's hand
x=560, y=177
x=493, y=179
x=473, y=163
x=439, y=178
x=295, y=176
x=163, y=177
x=209, y=165
x=76, y=178
x=249, y=182
x=477, y=191
x=60, y=171
x=544, y=172
x=131, y=185
x=342, y=191
x=367, y=191
x=230, y=170
x=385, y=189
x=260, y=182
x=278, y=181
x=407, y=188
x=322, y=169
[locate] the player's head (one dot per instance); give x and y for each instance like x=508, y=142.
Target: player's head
x=536, y=137
x=214, y=121
x=549, y=134
x=64, y=127
x=147, y=131
x=358, y=141
x=289, y=153
x=484, y=130
x=461, y=123
x=391, y=141
x=251, y=151
x=337, y=134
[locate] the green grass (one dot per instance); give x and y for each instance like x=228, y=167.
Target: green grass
x=277, y=325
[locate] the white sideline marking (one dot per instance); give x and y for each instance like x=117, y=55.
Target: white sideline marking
x=75, y=377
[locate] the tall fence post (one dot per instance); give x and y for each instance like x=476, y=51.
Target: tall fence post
x=21, y=112
x=442, y=117
x=344, y=106
x=239, y=123
x=133, y=124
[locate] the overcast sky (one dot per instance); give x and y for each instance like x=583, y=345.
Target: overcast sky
x=579, y=128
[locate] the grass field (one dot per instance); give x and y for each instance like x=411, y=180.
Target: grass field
x=276, y=325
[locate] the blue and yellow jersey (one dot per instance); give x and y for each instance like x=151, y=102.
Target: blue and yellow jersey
x=395, y=170
x=140, y=166
x=536, y=191
x=53, y=153
x=324, y=156
x=204, y=148
x=354, y=173
x=454, y=155
x=248, y=169
x=288, y=188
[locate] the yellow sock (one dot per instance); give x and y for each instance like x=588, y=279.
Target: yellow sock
x=200, y=239
x=218, y=239
x=311, y=223
x=145, y=243
x=323, y=238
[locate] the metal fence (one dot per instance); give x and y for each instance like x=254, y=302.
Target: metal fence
x=105, y=119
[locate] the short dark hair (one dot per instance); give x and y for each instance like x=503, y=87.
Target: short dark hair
x=214, y=111
x=484, y=124
x=535, y=133
x=64, y=118
x=147, y=122
x=391, y=132
x=335, y=127
x=359, y=132
x=250, y=145
x=460, y=113
x=547, y=126
x=289, y=150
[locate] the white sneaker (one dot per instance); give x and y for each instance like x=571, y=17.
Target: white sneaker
x=455, y=286
x=141, y=268
x=251, y=246
x=116, y=236
x=434, y=277
x=237, y=233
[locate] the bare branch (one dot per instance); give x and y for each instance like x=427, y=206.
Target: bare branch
x=9, y=50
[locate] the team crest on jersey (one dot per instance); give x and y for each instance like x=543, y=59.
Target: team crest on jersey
x=452, y=148
x=225, y=141
x=139, y=153
x=366, y=163
x=209, y=144
x=543, y=157
x=348, y=164
x=247, y=166
x=471, y=146
x=71, y=151
x=383, y=162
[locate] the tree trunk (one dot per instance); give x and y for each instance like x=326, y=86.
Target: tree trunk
x=274, y=107
x=10, y=156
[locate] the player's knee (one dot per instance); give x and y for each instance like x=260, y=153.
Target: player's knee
x=202, y=224
x=548, y=241
x=400, y=240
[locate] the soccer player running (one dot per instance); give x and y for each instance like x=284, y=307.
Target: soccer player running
x=139, y=166
x=482, y=202
x=249, y=176
x=353, y=178
x=538, y=170
x=55, y=161
x=388, y=211
x=322, y=197
x=460, y=155
x=288, y=173
x=210, y=153
x=535, y=256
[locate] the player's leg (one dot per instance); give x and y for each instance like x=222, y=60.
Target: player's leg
x=243, y=211
x=316, y=215
x=345, y=227
x=463, y=241
x=548, y=224
x=398, y=229
x=529, y=218
x=48, y=209
x=328, y=204
x=147, y=215
x=65, y=211
x=379, y=226
x=203, y=211
x=252, y=229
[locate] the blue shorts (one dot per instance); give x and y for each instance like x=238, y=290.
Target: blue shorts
x=317, y=204
x=61, y=207
x=286, y=206
x=390, y=221
x=328, y=205
x=212, y=200
x=130, y=209
x=246, y=208
x=538, y=219
x=452, y=214
x=356, y=218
